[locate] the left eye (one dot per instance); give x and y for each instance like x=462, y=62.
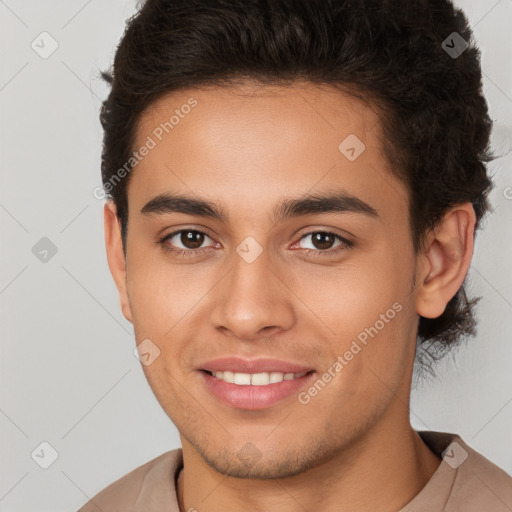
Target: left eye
x=322, y=240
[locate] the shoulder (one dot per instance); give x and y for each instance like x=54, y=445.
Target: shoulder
x=465, y=479
x=479, y=483
x=155, y=478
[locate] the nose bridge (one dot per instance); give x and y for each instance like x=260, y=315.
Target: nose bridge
x=252, y=297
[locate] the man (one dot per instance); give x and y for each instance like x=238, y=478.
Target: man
x=294, y=190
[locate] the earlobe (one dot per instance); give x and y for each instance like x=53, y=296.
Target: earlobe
x=445, y=263
x=115, y=256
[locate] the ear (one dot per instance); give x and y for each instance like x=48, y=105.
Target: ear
x=444, y=264
x=115, y=256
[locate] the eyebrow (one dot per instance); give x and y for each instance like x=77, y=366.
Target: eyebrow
x=332, y=202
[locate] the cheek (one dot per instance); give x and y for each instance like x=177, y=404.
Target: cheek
x=353, y=295
x=366, y=307
x=163, y=295
x=151, y=303
x=151, y=291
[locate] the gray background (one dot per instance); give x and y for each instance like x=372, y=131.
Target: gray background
x=68, y=373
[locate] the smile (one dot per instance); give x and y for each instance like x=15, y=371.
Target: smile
x=255, y=379
x=254, y=390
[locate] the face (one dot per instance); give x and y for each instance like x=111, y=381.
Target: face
x=323, y=285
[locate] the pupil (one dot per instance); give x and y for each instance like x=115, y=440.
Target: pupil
x=192, y=239
x=323, y=240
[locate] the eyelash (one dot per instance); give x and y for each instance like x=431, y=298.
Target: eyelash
x=188, y=253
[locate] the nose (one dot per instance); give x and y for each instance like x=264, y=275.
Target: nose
x=253, y=301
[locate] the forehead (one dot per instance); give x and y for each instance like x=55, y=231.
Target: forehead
x=256, y=140
x=249, y=104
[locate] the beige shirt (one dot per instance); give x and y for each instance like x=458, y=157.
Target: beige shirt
x=465, y=481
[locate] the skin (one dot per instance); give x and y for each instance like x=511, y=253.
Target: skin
x=246, y=148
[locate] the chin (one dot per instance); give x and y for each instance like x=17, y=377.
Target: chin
x=248, y=463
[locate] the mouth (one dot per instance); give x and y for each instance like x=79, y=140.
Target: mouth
x=255, y=391
x=255, y=379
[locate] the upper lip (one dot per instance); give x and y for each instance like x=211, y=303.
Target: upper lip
x=240, y=365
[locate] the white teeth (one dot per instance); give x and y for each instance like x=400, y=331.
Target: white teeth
x=228, y=377
x=242, y=378
x=260, y=379
x=276, y=377
x=256, y=379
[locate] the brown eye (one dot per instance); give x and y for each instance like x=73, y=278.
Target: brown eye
x=192, y=239
x=185, y=241
x=323, y=243
x=322, y=240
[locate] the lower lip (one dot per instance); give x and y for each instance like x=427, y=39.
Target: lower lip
x=254, y=397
